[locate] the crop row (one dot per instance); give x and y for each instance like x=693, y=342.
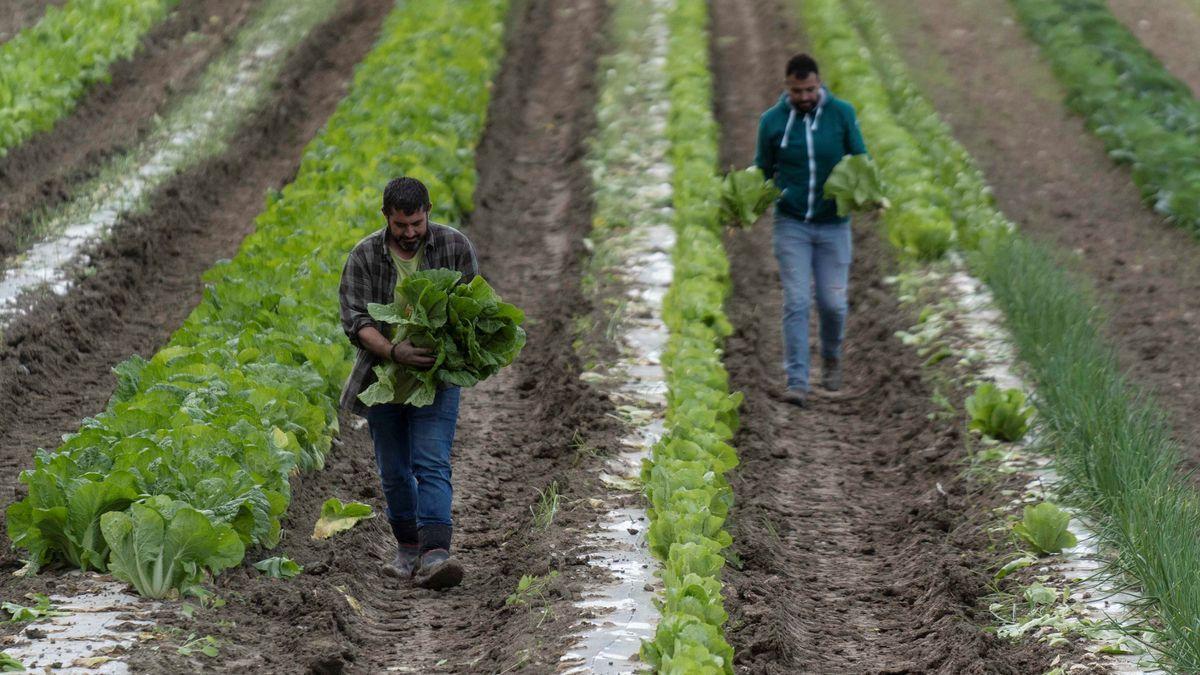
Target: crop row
x=1107, y=439
x=45, y=68
x=1144, y=115
x=684, y=479
x=204, y=436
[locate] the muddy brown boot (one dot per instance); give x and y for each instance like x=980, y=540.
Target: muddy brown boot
x=404, y=563
x=437, y=571
x=831, y=374
x=795, y=396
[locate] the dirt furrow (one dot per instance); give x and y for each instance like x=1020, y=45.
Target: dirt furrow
x=1053, y=178
x=112, y=116
x=20, y=14
x=55, y=361
x=514, y=438
x=860, y=547
x=1170, y=29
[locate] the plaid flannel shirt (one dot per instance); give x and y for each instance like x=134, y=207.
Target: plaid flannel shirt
x=370, y=276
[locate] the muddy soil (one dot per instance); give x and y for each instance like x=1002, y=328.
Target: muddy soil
x=861, y=548
x=1053, y=178
x=515, y=433
x=1170, y=29
x=41, y=173
x=20, y=14
x=55, y=361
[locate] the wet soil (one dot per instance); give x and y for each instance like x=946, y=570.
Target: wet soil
x=1053, y=178
x=515, y=434
x=1170, y=29
x=20, y=14
x=112, y=116
x=55, y=360
x=861, y=548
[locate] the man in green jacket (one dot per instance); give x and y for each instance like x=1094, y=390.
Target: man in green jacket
x=800, y=139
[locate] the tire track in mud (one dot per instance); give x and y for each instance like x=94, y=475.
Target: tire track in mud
x=860, y=546
x=515, y=432
x=21, y=14
x=1052, y=177
x=55, y=361
x=113, y=116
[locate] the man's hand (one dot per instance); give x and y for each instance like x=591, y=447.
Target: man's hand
x=406, y=354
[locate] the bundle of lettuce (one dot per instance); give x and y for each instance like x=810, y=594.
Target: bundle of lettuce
x=469, y=331
x=856, y=185
x=746, y=195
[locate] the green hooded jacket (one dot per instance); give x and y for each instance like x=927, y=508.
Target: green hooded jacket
x=800, y=150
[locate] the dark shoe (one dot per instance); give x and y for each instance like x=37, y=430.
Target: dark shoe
x=796, y=396
x=405, y=562
x=831, y=374
x=436, y=570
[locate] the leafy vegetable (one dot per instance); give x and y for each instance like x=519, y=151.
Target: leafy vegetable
x=245, y=394
x=746, y=195
x=45, y=68
x=40, y=609
x=1044, y=528
x=162, y=545
x=279, y=567
x=337, y=516
x=471, y=333
x=206, y=645
x=856, y=186
x=1002, y=415
x=9, y=664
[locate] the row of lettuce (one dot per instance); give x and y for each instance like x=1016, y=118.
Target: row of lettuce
x=1145, y=116
x=190, y=462
x=45, y=68
x=684, y=478
x=1108, y=439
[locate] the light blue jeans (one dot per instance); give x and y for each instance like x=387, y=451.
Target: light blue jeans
x=808, y=253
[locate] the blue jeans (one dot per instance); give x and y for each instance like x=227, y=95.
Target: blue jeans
x=809, y=252
x=412, y=450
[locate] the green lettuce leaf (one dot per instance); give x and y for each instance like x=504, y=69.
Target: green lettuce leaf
x=1044, y=528
x=279, y=567
x=337, y=516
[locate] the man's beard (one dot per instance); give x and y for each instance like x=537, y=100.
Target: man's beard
x=408, y=246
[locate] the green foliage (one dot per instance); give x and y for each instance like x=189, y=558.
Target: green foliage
x=9, y=664
x=206, y=646
x=279, y=567
x=1044, y=529
x=47, y=67
x=1001, y=415
x=471, y=333
x=684, y=478
x=161, y=545
x=856, y=185
x=338, y=516
x=245, y=393
x=746, y=195
x=41, y=609
x=1145, y=116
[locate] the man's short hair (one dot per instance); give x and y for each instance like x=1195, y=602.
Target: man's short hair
x=801, y=66
x=405, y=195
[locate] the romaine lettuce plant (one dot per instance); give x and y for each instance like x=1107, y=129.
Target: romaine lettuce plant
x=746, y=195
x=471, y=333
x=1001, y=415
x=856, y=185
x=1044, y=529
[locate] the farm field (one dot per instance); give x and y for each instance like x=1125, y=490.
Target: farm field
x=634, y=493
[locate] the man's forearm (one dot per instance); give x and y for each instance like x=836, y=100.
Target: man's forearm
x=374, y=341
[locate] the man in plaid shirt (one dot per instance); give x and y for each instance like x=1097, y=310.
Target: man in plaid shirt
x=412, y=445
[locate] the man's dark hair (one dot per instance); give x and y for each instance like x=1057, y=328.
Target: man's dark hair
x=405, y=195
x=802, y=65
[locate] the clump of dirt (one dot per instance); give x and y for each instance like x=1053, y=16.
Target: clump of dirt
x=859, y=547
x=112, y=116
